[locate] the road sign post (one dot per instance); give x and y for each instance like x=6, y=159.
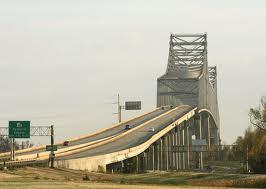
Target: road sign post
x=52, y=145
x=17, y=129
x=129, y=105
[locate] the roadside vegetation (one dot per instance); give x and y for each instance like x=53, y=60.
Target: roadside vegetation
x=5, y=144
x=253, y=143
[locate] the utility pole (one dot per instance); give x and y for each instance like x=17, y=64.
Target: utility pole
x=14, y=147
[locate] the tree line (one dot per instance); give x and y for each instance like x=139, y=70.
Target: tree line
x=5, y=144
x=255, y=139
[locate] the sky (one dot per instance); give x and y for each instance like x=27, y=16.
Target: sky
x=62, y=62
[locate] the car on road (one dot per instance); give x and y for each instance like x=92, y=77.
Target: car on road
x=151, y=129
x=66, y=143
x=127, y=127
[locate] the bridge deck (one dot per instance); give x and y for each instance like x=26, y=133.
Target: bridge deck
x=135, y=138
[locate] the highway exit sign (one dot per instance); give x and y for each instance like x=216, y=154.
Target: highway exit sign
x=51, y=148
x=19, y=129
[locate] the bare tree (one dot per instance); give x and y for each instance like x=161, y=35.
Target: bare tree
x=257, y=115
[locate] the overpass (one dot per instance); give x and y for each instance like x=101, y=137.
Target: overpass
x=187, y=110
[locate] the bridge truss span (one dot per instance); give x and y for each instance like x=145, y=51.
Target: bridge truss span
x=188, y=78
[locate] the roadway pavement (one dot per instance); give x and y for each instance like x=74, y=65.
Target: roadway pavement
x=108, y=133
x=135, y=138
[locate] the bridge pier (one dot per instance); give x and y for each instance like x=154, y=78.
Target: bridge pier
x=166, y=153
x=161, y=155
x=173, y=152
x=157, y=149
x=170, y=150
x=137, y=163
x=176, y=153
x=153, y=157
x=206, y=128
x=188, y=142
x=198, y=133
x=182, y=143
x=179, y=143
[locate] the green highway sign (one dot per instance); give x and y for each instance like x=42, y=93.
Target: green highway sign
x=133, y=105
x=51, y=148
x=19, y=129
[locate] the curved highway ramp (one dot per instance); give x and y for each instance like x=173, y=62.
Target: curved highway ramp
x=127, y=145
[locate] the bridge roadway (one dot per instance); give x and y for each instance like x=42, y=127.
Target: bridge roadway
x=109, y=132
x=135, y=138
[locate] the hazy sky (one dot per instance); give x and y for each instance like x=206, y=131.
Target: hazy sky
x=63, y=62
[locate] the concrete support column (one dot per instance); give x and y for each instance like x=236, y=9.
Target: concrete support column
x=147, y=160
x=180, y=143
x=161, y=154
x=158, y=154
x=170, y=151
x=153, y=157
x=173, y=150
x=198, y=124
x=218, y=137
x=144, y=161
x=137, y=164
x=214, y=135
x=183, y=153
x=185, y=145
x=166, y=153
x=188, y=143
x=122, y=166
x=208, y=131
x=150, y=160
x=176, y=143
x=200, y=137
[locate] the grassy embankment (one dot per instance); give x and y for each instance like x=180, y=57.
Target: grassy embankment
x=64, y=178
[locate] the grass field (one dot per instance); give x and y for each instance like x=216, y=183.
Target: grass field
x=28, y=178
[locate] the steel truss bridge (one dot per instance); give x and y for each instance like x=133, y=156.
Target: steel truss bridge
x=187, y=110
